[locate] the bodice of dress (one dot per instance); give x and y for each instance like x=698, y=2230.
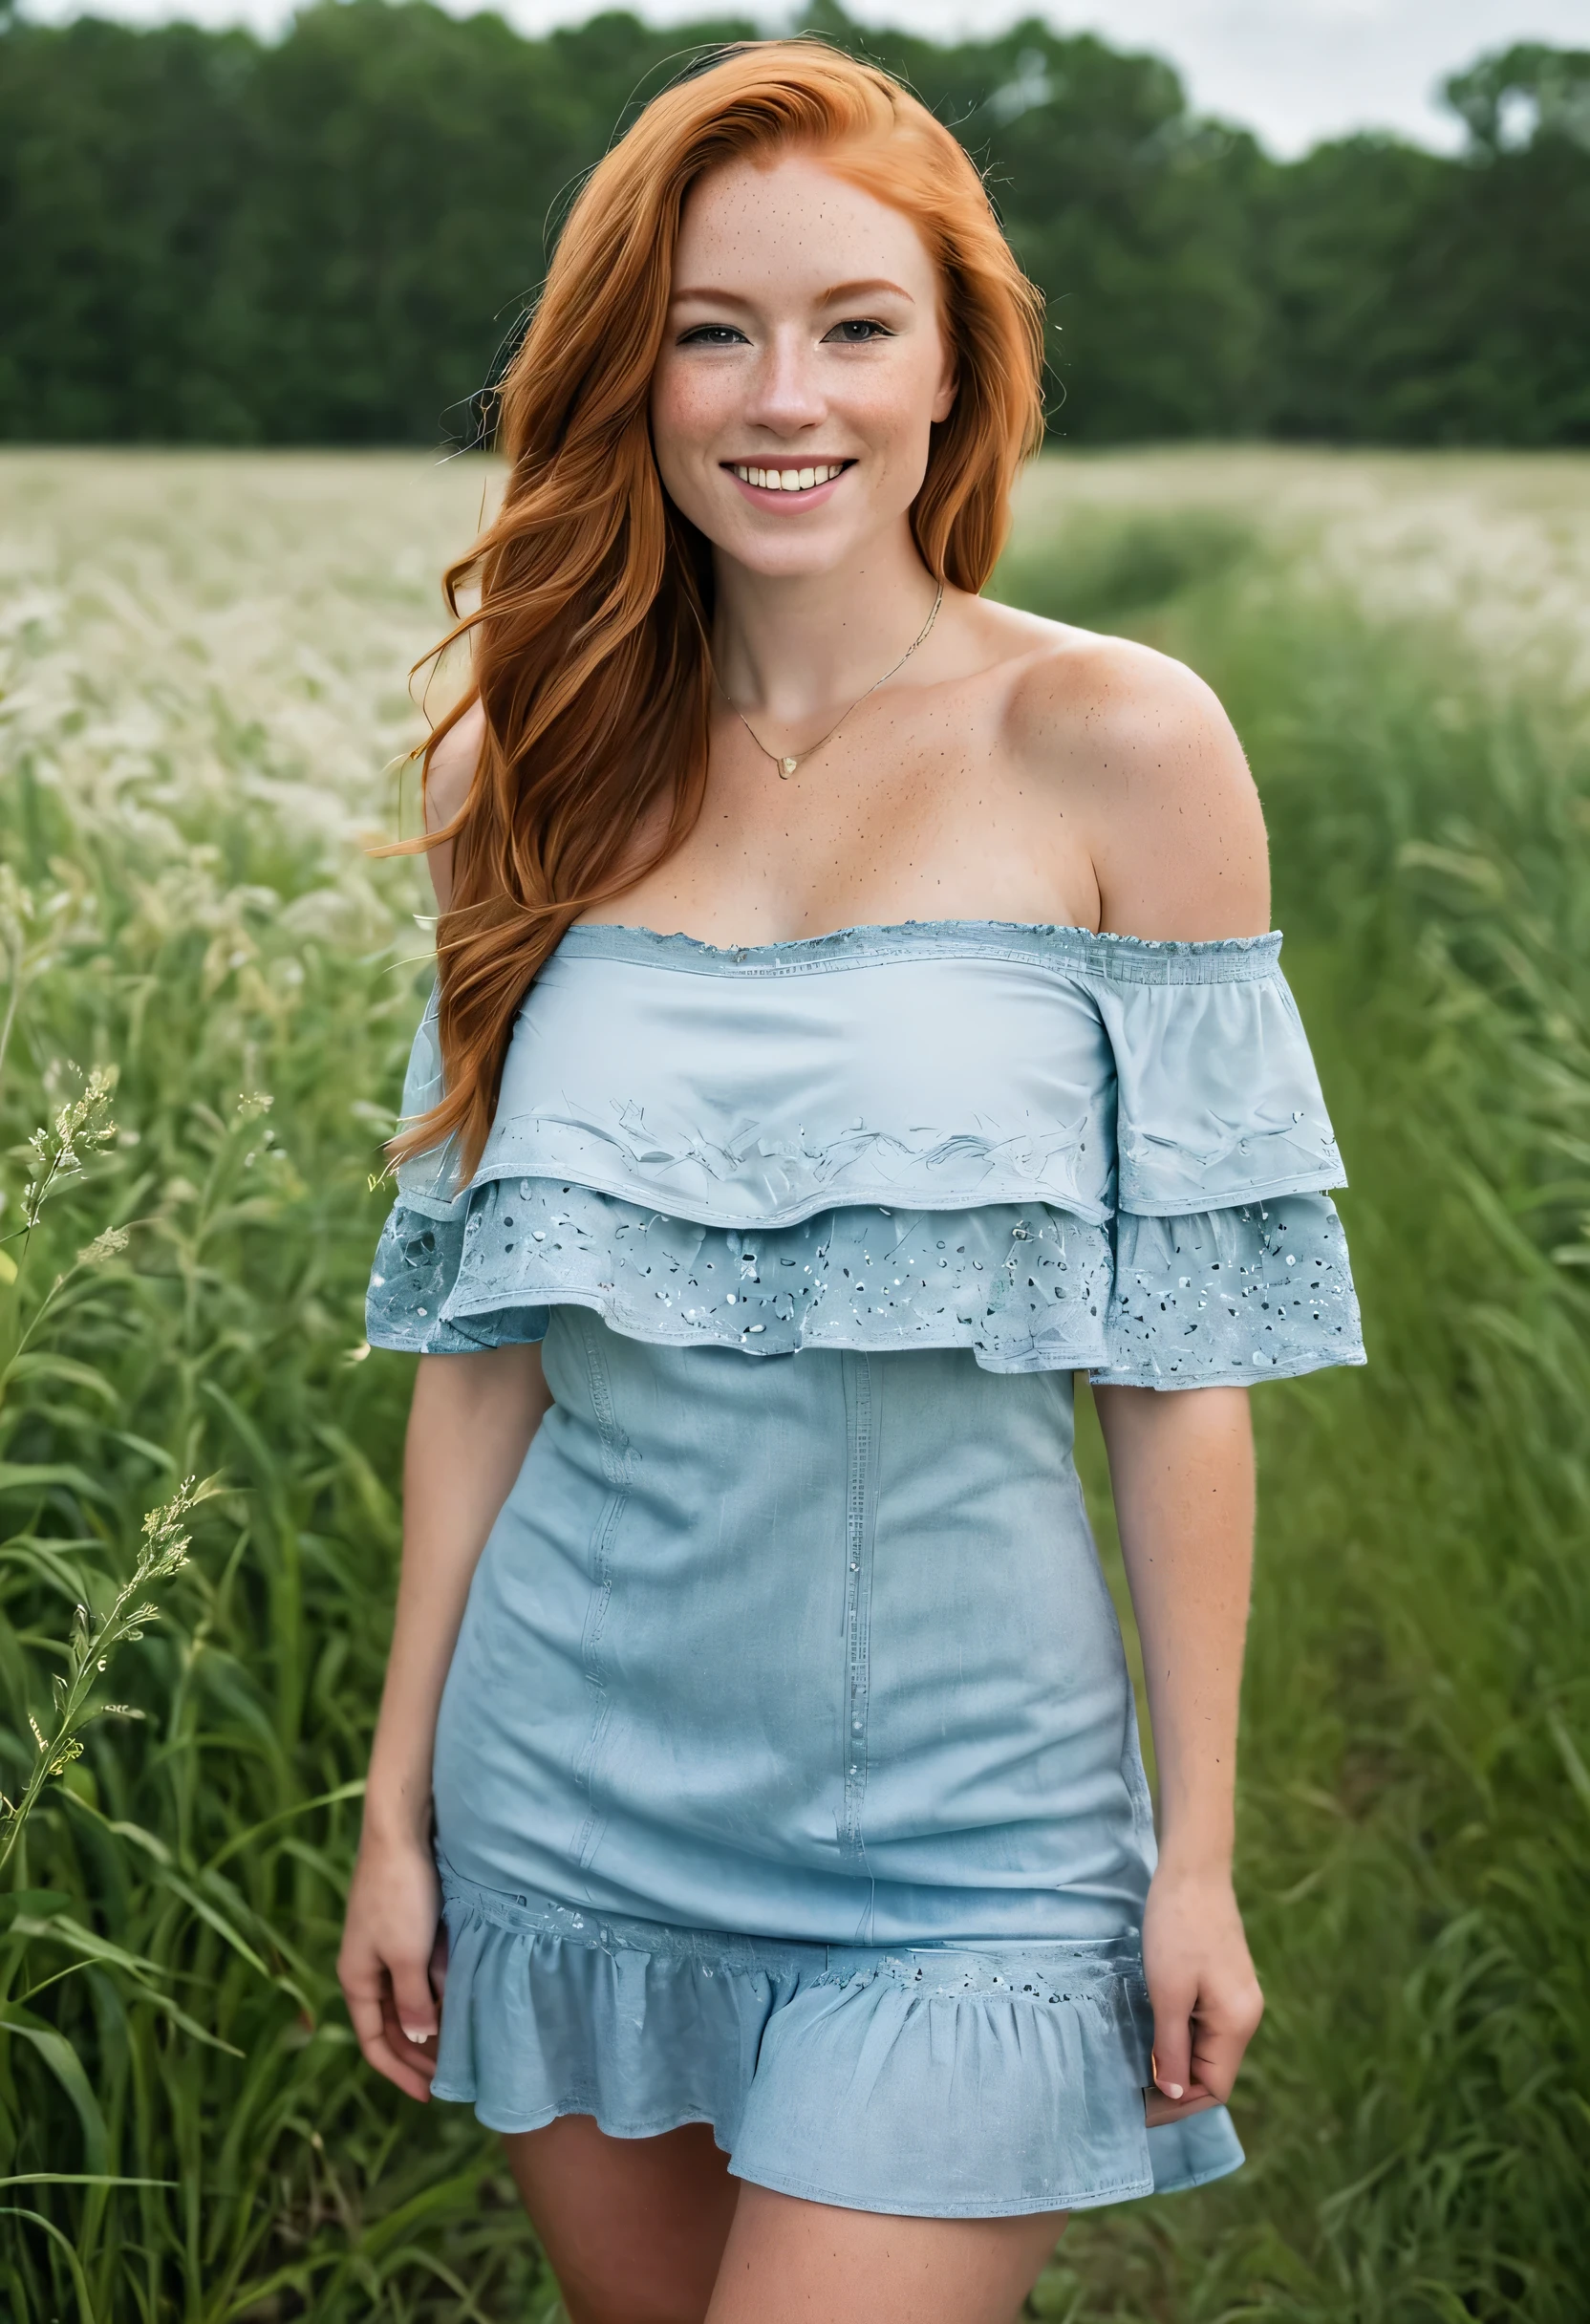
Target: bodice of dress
x=1058, y=1149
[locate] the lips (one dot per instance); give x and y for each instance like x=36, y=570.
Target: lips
x=804, y=479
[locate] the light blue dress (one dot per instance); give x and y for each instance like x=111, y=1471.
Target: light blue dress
x=788, y=1774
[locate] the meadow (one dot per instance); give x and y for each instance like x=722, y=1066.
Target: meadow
x=208, y=990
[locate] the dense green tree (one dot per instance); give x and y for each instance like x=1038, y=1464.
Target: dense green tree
x=318, y=241
x=330, y=238
x=1422, y=300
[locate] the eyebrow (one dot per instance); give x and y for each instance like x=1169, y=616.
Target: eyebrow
x=830, y=298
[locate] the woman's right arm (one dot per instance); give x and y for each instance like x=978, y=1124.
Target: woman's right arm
x=447, y=781
x=470, y=1426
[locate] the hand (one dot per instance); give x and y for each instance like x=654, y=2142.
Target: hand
x=1206, y=1999
x=394, y=1960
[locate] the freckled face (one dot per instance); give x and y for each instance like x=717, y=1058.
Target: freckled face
x=803, y=366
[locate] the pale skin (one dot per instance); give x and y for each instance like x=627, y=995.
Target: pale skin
x=1013, y=769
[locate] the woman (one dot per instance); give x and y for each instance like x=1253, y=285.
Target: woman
x=856, y=1014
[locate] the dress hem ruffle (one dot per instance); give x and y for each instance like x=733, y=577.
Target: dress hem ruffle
x=952, y=2080
x=926, y=2207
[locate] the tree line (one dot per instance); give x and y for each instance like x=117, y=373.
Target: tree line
x=331, y=237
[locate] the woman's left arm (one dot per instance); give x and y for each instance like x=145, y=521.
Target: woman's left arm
x=1181, y=1467
x=1155, y=783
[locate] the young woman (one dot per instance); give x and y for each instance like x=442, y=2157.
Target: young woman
x=855, y=1015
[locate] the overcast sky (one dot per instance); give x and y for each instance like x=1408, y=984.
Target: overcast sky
x=1295, y=69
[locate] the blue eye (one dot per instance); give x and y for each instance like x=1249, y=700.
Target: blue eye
x=858, y=330
x=714, y=334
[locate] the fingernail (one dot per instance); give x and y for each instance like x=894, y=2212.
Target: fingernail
x=1171, y=2090
x=423, y=2033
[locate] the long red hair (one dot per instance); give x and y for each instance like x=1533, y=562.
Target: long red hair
x=591, y=638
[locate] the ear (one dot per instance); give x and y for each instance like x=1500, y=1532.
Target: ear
x=949, y=388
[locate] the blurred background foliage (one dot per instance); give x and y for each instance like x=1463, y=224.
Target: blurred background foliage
x=328, y=238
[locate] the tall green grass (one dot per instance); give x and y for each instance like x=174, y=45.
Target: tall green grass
x=185, y=2129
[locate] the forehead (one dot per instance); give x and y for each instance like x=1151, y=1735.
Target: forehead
x=749, y=220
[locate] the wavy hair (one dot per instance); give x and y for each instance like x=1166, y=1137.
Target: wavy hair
x=590, y=636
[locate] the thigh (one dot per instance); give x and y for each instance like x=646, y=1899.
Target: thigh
x=789, y=2262
x=634, y=2228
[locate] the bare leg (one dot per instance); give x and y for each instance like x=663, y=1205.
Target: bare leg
x=809, y=2263
x=634, y=2228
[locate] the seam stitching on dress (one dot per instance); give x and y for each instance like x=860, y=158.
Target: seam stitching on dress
x=858, y=1543
x=615, y=1466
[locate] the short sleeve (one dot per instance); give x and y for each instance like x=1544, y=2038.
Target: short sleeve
x=421, y=1246
x=1230, y=1261
x=1217, y=1097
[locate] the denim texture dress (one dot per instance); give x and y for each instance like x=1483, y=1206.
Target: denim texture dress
x=788, y=1774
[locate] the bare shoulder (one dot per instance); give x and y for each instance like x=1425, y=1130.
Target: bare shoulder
x=452, y=769
x=1138, y=749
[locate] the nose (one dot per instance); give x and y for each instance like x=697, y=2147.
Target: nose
x=786, y=389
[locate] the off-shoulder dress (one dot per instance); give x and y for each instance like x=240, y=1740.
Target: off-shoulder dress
x=787, y=1773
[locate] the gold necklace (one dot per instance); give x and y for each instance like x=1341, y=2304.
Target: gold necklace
x=787, y=761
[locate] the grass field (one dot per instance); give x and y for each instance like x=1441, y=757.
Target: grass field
x=202, y=695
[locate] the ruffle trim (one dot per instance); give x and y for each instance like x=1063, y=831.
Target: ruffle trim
x=938, y=2081
x=1218, y=1298
x=1224, y=1297
x=1123, y=959
x=1025, y=1288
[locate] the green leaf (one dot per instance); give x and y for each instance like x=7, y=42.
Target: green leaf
x=150, y=1842
x=81, y=2179
x=324, y=1799
x=448, y=2195
x=66, y=1370
x=190, y=2026
x=37, y=1904
x=67, y=2067
x=1578, y=1775
x=79, y=2281
x=84, y=1941
x=223, y=1928
x=34, y=1477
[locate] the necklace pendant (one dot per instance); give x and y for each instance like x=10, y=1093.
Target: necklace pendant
x=786, y=767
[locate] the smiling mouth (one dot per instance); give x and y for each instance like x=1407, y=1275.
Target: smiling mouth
x=789, y=479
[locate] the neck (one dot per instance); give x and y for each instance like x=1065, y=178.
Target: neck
x=790, y=646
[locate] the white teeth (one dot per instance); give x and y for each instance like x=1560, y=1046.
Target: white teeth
x=787, y=479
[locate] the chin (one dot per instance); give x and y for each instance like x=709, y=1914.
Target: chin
x=787, y=560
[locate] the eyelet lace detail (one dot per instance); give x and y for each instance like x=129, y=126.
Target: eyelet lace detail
x=1227, y=1297
x=1027, y=1288
x=1224, y=1296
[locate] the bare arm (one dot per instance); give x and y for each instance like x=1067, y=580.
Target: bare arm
x=1181, y=1468
x=1156, y=779
x=469, y=1428
x=447, y=780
